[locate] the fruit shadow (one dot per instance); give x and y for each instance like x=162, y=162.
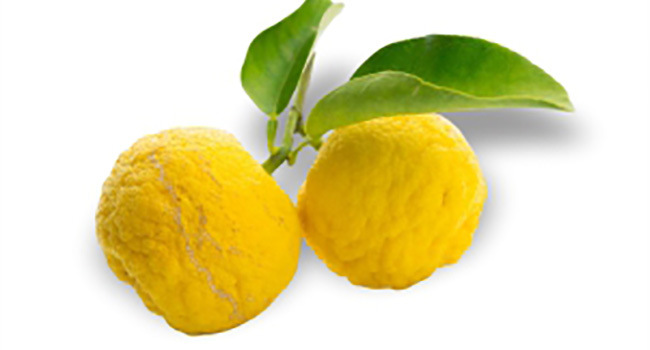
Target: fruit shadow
x=498, y=133
x=516, y=128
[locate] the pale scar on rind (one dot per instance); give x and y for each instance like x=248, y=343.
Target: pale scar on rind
x=178, y=219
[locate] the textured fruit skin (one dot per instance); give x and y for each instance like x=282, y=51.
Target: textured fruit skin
x=389, y=200
x=204, y=235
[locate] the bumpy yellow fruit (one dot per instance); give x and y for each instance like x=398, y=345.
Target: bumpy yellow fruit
x=204, y=235
x=391, y=199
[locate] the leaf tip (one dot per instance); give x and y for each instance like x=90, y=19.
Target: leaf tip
x=569, y=107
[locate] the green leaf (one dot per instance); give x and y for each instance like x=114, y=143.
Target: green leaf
x=277, y=57
x=470, y=65
x=437, y=73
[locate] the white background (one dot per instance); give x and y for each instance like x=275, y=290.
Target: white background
x=560, y=260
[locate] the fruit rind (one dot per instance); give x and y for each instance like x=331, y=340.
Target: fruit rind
x=203, y=234
x=390, y=200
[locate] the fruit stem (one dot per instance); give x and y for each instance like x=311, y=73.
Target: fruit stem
x=294, y=154
x=271, y=130
x=279, y=155
x=294, y=126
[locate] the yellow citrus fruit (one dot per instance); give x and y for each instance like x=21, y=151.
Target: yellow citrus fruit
x=391, y=199
x=204, y=235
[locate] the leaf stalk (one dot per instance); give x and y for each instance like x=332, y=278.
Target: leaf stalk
x=294, y=125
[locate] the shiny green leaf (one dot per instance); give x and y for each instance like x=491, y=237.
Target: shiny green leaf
x=437, y=73
x=277, y=57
